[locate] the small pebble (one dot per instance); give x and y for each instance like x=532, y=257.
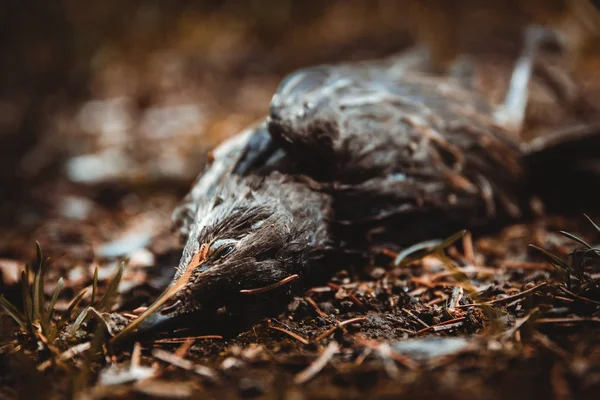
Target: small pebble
x=231, y=363
x=77, y=208
x=141, y=258
x=124, y=246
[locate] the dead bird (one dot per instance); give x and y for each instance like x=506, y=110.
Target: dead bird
x=350, y=156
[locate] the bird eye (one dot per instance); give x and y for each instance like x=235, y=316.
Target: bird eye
x=221, y=248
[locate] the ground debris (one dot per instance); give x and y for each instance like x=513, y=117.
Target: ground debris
x=318, y=364
x=492, y=319
x=424, y=349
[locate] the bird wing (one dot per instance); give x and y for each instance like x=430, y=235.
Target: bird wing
x=251, y=155
x=224, y=160
x=396, y=144
x=389, y=142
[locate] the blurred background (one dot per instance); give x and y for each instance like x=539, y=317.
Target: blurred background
x=108, y=108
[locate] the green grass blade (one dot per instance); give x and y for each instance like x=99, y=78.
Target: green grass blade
x=450, y=241
x=82, y=381
x=592, y=222
x=94, y=286
x=79, y=320
x=76, y=300
x=41, y=295
x=592, y=253
x=415, y=252
x=111, y=293
x=66, y=317
x=98, y=317
x=460, y=276
x=551, y=257
x=38, y=251
x=575, y=238
x=38, y=293
x=52, y=304
x=27, y=302
x=13, y=312
x=420, y=250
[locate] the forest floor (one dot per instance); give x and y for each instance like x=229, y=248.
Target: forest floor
x=489, y=316
x=490, y=319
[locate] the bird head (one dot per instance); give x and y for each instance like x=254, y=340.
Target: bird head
x=251, y=233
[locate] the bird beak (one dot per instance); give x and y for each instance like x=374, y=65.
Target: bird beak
x=152, y=317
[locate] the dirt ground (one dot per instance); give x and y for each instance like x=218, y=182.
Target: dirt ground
x=108, y=117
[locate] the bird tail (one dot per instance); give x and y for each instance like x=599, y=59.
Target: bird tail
x=564, y=168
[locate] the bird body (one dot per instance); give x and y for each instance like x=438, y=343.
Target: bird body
x=351, y=156
x=391, y=151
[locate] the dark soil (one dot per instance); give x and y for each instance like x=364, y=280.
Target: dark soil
x=489, y=317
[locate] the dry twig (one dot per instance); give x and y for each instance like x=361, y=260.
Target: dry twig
x=340, y=325
x=566, y=320
x=467, y=241
x=290, y=333
x=182, y=363
x=313, y=369
x=578, y=297
x=519, y=295
x=518, y=324
x=66, y=355
x=452, y=322
x=526, y=265
x=185, y=339
x=316, y=307
x=351, y=296
x=271, y=287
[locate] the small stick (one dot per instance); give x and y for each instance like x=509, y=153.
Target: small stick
x=506, y=299
x=320, y=289
x=355, y=299
x=182, y=363
x=415, y=317
x=440, y=328
x=389, y=253
x=68, y=354
x=467, y=241
x=185, y=347
x=518, y=324
x=466, y=271
x=172, y=359
x=385, y=352
x=418, y=291
x=457, y=294
x=550, y=345
x=376, y=345
x=526, y=265
x=312, y=370
x=422, y=282
x=136, y=355
x=290, y=333
x=139, y=310
x=363, y=356
x=316, y=307
x=565, y=299
x=585, y=299
x=436, y=301
x=558, y=382
x=351, y=296
x=449, y=322
x=566, y=320
x=340, y=325
x=185, y=339
x=484, y=247
x=270, y=287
